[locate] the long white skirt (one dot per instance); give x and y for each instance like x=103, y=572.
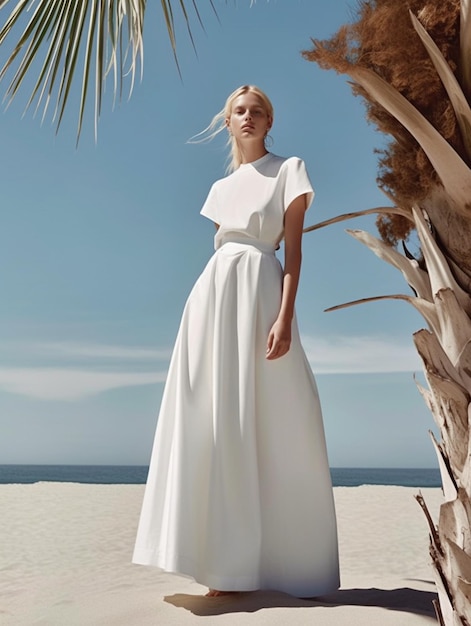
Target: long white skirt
x=239, y=493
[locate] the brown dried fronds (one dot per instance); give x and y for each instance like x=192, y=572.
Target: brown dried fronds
x=393, y=228
x=406, y=172
x=383, y=40
x=334, y=53
x=439, y=18
x=387, y=43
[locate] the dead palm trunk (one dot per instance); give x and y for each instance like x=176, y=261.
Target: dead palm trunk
x=414, y=71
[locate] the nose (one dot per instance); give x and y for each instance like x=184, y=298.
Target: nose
x=248, y=115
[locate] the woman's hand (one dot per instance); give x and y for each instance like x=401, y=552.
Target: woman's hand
x=279, y=339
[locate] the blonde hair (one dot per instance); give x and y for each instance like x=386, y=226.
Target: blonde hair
x=218, y=123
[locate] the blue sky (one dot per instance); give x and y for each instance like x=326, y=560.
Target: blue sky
x=100, y=246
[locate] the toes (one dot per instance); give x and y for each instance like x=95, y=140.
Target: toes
x=215, y=593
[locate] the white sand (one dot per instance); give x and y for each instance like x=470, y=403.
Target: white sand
x=66, y=549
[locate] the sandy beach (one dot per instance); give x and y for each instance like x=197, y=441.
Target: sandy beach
x=66, y=549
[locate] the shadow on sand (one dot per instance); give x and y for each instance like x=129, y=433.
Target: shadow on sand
x=404, y=599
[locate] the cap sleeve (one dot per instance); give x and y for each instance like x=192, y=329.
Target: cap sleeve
x=210, y=207
x=297, y=182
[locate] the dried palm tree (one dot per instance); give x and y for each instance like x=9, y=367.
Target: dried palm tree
x=411, y=62
x=102, y=36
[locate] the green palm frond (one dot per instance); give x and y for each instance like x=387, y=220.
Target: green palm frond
x=84, y=39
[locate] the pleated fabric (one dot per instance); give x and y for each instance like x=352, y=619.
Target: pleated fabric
x=239, y=493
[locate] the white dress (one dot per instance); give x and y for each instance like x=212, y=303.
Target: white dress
x=239, y=493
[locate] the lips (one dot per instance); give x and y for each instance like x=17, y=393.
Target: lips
x=247, y=127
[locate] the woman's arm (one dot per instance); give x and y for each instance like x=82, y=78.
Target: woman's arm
x=279, y=338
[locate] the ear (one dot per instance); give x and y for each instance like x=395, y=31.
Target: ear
x=269, y=123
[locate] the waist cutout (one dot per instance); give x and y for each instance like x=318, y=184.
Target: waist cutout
x=250, y=243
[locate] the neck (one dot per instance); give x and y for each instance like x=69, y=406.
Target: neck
x=252, y=153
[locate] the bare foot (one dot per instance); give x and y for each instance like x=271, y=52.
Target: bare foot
x=215, y=593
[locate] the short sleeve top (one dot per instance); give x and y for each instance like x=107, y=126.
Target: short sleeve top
x=252, y=201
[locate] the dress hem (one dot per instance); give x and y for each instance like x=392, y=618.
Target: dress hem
x=239, y=584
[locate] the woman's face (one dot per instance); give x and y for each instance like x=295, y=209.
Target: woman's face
x=249, y=120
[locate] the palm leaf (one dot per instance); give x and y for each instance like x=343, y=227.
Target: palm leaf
x=416, y=277
x=451, y=84
x=450, y=167
x=465, y=46
x=424, y=307
x=448, y=483
x=439, y=272
x=382, y=210
x=62, y=29
x=103, y=36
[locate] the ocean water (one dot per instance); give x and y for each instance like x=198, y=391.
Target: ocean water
x=136, y=474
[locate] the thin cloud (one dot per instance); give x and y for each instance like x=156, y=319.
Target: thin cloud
x=70, y=384
x=71, y=350
x=360, y=355
x=71, y=370
x=327, y=355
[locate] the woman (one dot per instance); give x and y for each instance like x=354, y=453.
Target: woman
x=239, y=494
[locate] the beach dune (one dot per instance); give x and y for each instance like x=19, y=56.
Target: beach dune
x=65, y=560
